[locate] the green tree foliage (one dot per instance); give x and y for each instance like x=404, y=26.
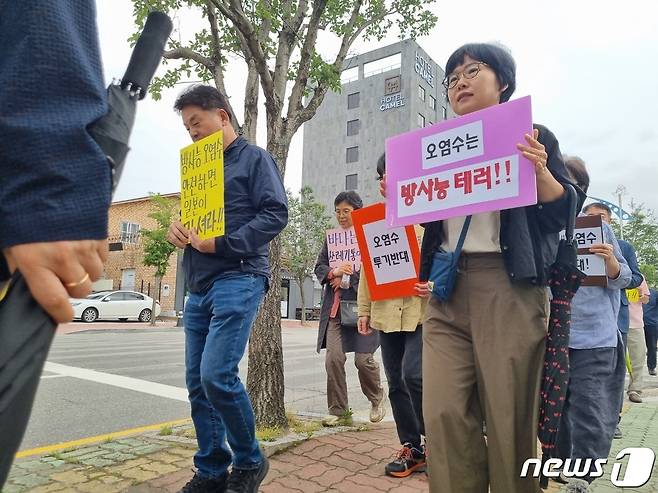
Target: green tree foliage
x=302, y=239
x=157, y=250
x=277, y=39
x=641, y=231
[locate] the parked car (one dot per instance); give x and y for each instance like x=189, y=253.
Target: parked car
x=123, y=305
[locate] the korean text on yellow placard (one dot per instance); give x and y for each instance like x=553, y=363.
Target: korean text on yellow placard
x=202, y=186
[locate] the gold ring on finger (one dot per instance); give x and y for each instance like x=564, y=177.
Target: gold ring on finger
x=76, y=284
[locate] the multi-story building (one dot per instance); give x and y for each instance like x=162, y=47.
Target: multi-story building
x=385, y=92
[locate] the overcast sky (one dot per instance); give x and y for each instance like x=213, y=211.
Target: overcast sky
x=591, y=69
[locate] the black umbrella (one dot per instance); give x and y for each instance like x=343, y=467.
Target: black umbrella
x=26, y=330
x=565, y=279
x=112, y=131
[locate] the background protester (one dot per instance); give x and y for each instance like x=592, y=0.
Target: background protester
x=596, y=360
x=650, y=311
x=398, y=321
x=637, y=346
x=339, y=338
x=483, y=349
x=627, y=250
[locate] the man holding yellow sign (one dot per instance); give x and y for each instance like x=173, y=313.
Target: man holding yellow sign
x=232, y=205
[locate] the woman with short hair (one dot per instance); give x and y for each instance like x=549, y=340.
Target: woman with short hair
x=483, y=349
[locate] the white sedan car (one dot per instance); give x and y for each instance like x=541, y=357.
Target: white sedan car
x=123, y=305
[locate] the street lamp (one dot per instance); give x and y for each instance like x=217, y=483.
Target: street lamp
x=621, y=191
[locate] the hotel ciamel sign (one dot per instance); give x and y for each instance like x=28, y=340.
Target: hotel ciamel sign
x=392, y=96
x=424, y=69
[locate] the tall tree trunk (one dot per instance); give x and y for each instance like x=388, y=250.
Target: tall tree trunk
x=251, y=104
x=158, y=280
x=301, y=293
x=265, y=382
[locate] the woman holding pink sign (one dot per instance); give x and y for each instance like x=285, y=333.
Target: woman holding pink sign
x=483, y=346
x=338, y=326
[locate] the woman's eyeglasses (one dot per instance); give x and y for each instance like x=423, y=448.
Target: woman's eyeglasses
x=470, y=72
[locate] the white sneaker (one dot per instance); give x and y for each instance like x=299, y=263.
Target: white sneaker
x=377, y=412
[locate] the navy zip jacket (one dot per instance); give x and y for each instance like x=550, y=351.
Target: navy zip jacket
x=54, y=179
x=627, y=250
x=255, y=210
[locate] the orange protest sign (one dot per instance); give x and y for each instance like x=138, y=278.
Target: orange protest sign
x=390, y=256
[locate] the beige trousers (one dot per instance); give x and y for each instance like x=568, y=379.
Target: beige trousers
x=483, y=355
x=334, y=363
x=637, y=350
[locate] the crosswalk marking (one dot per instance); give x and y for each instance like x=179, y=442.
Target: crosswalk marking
x=136, y=384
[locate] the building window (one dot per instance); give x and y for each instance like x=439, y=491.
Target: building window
x=351, y=182
x=382, y=65
x=421, y=120
x=349, y=75
x=129, y=232
x=353, y=127
x=432, y=102
x=352, y=154
x=352, y=101
x=445, y=113
x=421, y=93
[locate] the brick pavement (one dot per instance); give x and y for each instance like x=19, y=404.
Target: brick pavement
x=336, y=461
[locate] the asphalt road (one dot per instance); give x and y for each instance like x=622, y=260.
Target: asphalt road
x=104, y=381
x=100, y=382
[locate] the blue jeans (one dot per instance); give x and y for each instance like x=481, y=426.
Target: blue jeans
x=217, y=328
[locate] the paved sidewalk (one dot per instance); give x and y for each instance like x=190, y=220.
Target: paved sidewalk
x=639, y=426
x=332, y=460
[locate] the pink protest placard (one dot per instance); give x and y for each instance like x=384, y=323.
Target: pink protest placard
x=461, y=166
x=343, y=247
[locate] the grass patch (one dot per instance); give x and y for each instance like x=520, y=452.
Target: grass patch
x=185, y=432
x=268, y=433
x=68, y=460
x=165, y=431
x=301, y=426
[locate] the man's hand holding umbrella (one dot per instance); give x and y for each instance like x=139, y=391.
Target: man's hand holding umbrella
x=55, y=271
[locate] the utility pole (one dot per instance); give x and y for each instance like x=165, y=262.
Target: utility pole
x=621, y=191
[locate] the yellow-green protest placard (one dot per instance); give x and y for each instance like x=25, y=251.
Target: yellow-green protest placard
x=633, y=295
x=202, y=186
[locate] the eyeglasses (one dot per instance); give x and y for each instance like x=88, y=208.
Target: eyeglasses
x=470, y=72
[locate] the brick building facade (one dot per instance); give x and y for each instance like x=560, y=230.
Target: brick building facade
x=125, y=268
